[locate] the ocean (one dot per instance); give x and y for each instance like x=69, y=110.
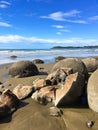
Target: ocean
x=47, y=55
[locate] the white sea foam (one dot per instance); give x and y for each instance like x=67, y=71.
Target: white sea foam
x=46, y=55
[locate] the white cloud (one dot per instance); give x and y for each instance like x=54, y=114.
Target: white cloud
x=4, y=24
x=20, y=39
x=76, y=21
x=57, y=26
x=4, y=4
x=63, y=16
x=58, y=33
x=65, y=30
x=58, y=16
x=71, y=13
x=94, y=18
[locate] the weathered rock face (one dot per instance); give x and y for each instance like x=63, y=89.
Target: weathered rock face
x=71, y=91
x=59, y=75
x=23, y=69
x=38, y=61
x=22, y=91
x=8, y=103
x=76, y=64
x=66, y=87
x=59, y=58
x=41, y=95
x=92, y=91
x=91, y=64
x=38, y=84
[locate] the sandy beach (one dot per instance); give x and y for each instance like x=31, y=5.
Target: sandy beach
x=34, y=116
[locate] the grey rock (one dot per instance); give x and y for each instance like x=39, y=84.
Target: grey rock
x=91, y=64
x=23, y=69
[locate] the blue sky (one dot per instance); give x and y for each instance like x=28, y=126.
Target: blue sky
x=42, y=24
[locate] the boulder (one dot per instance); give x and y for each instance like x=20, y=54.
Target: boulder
x=59, y=75
x=92, y=91
x=59, y=58
x=71, y=90
x=38, y=61
x=22, y=91
x=38, y=83
x=8, y=103
x=23, y=69
x=91, y=64
x=13, y=57
x=96, y=57
x=41, y=95
x=76, y=64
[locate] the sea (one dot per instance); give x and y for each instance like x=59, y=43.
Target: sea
x=47, y=55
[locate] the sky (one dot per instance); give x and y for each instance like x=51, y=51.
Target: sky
x=42, y=24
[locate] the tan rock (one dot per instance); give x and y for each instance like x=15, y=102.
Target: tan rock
x=71, y=91
x=75, y=63
x=59, y=75
x=22, y=91
x=41, y=95
x=91, y=64
x=92, y=91
x=38, y=83
x=9, y=99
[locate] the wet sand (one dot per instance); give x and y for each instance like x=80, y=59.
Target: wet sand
x=34, y=116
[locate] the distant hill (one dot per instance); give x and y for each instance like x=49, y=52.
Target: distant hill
x=69, y=47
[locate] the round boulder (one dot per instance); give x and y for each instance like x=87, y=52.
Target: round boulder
x=23, y=69
x=13, y=57
x=76, y=64
x=91, y=64
x=38, y=61
x=59, y=58
x=92, y=91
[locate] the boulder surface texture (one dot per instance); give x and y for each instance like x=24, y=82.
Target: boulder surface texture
x=23, y=69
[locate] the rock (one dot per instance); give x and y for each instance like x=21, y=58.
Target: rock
x=0, y=83
x=4, y=110
x=92, y=91
x=59, y=58
x=7, y=98
x=13, y=57
x=90, y=124
x=38, y=61
x=22, y=91
x=96, y=57
x=91, y=64
x=38, y=83
x=40, y=95
x=59, y=75
x=2, y=87
x=76, y=64
x=71, y=90
x=23, y=69
x=54, y=111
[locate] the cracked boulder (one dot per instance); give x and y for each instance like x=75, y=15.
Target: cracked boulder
x=22, y=91
x=8, y=103
x=76, y=64
x=71, y=90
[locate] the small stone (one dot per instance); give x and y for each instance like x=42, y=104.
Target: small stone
x=54, y=111
x=90, y=124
